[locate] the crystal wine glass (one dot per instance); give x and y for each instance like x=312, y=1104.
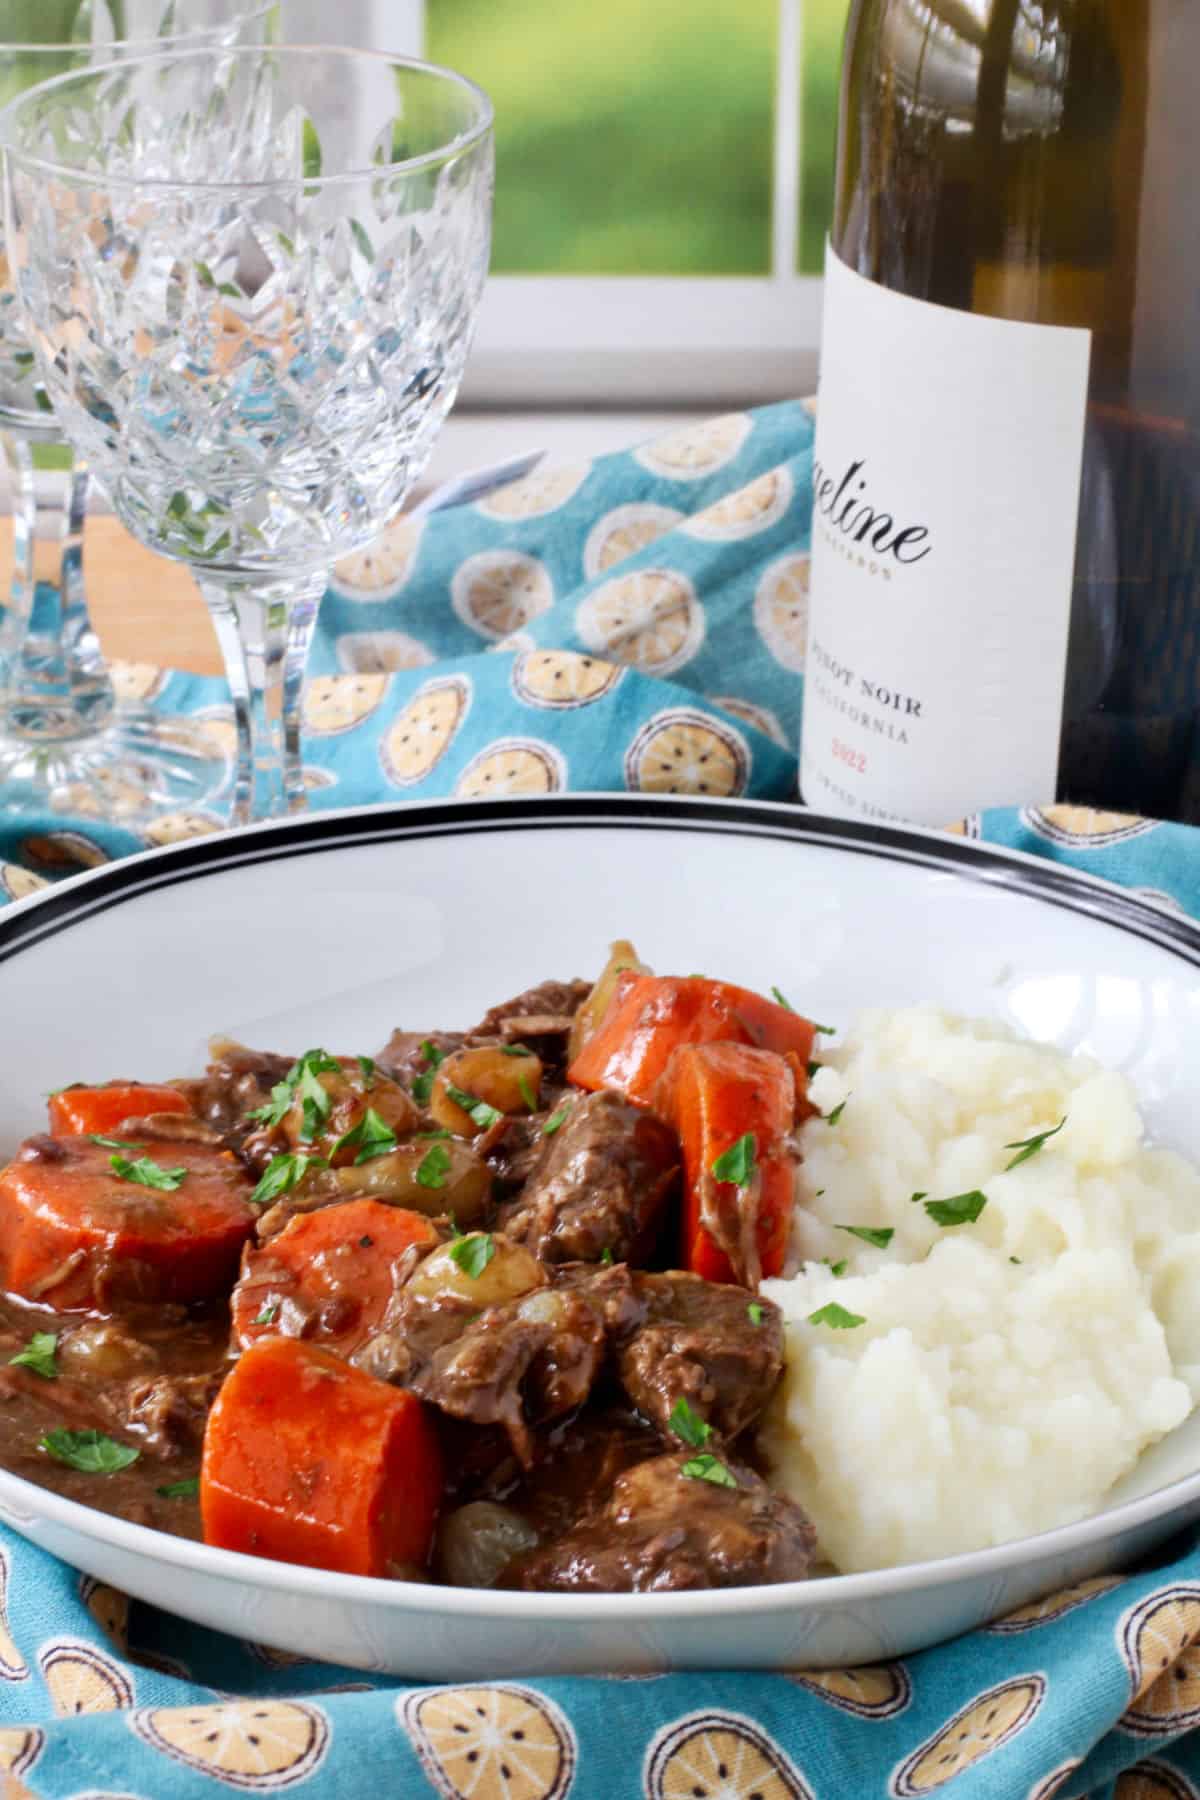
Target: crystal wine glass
x=64, y=743
x=250, y=278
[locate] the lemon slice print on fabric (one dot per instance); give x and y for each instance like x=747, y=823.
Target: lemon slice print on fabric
x=513, y=766
x=1081, y=828
x=13, y=1666
x=624, y=531
x=218, y=730
x=495, y=592
x=62, y=851
x=255, y=1744
x=878, y=1692
x=110, y=1609
x=490, y=1743
x=720, y=1756
x=1159, y=1641
x=686, y=752
x=560, y=679
x=81, y=1679
x=1056, y=1605
x=334, y=704
x=382, y=569
x=274, y=1659
x=544, y=490
x=420, y=736
x=650, y=619
x=781, y=610
x=753, y=508
x=693, y=451
x=1054, y=1785
x=19, y=883
x=180, y=828
x=761, y=717
x=161, y=1663
x=989, y=1720
x=381, y=652
x=1154, y=1781
x=20, y=1747
x=136, y=681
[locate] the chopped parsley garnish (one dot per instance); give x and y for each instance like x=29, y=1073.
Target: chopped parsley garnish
x=434, y=1167
x=836, y=1269
x=440, y=1132
x=89, y=1451
x=708, y=1468
x=755, y=1313
x=781, y=1000
x=811, y=1069
x=315, y=1101
x=188, y=1489
x=107, y=1143
x=878, y=1235
x=282, y=1173
x=913, y=1198
x=268, y=1315
x=836, y=1317
x=371, y=1137
x=474, y=1253
x=1027, y=1147
x=280, y=1103
x=688, y=1425
x=366, y=1065
x=145, y=1173
x=833, y=1117
x=825, y=1030
x=480, y=1113
x=527, y=1093
x=1015, y=1259
x=959, y=1209
x=301, y=1081
x=433, y=1058
x=515, y=1050
x=738, y=1162
x=38, y=1355
x=555, y=1120
x=606, y=1257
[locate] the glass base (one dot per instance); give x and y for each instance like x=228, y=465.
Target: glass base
x=162, y=778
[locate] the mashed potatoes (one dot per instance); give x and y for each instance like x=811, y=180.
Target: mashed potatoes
x=1008, y=1369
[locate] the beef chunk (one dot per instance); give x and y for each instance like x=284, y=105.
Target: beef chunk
x=168, y=1413
x=698, y=1341
x=661, y=1529
x=542, y=1011
x=236, y=1081
x=403, y=1058
x=519, y=1364
x=602, y=1184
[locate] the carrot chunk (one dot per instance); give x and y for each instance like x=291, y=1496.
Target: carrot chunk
x=310, y=1461
x=723, y=1095
x=78, y=1110
x=651, y=1016
x=334, y=1267
x=76, y=1232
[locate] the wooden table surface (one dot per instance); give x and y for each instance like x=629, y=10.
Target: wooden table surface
x=145, y=608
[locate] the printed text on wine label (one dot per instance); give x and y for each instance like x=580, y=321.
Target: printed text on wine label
x=844, y=504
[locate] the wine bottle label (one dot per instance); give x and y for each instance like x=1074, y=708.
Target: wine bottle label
x=946, y=480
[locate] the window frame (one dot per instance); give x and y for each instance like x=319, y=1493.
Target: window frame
x=558, y=340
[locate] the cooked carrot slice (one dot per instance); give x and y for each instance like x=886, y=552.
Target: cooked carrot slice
x=651, y=1016
x=327, y=1276
x=723, y=1093
x=310, y=1461
x=77, y=1110
x=74, y=1233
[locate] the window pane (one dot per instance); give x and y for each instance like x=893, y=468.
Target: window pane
x=631, y=138
x=823, y=23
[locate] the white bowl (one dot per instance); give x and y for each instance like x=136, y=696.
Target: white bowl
x=337, y=928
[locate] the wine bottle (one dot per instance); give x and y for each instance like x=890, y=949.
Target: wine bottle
x=1005, y=584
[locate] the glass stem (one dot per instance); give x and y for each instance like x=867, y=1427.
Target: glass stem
x=54, y=687
x=264, y=629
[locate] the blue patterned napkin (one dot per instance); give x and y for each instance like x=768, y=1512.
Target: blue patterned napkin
x=633, y=623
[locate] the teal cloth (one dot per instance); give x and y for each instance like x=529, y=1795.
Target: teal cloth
x=658, y=602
